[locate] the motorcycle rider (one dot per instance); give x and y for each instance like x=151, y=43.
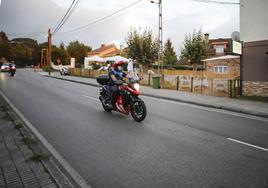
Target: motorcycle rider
x=115, y=75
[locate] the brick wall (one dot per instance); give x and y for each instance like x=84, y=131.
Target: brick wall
x=255, y=88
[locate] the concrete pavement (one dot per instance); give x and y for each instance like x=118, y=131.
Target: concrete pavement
x=23, y=161
x=225, y=103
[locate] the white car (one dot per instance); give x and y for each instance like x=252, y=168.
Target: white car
x=5, y=67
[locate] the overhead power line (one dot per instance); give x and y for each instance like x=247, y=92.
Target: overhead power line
x=66, y=16
x=58, y=13
x=217, y=2
x=103, y=18
x=26, y=35
x=119, y=15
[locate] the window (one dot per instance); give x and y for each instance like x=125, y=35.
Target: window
x=219, y=49
x=221, y=69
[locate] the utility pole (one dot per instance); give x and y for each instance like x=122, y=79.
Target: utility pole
x=49, y=51
x=42, y=59
x=160, y=34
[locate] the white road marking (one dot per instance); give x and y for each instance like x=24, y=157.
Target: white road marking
x=247, y=144
x=92, y=98
x=210, y=109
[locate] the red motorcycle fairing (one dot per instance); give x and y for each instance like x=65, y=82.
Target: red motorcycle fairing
x=120, y=107
x=132, y=91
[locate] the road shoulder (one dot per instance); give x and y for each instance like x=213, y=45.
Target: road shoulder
x=50, y=163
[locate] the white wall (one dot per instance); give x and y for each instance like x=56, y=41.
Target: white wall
x=253, y=20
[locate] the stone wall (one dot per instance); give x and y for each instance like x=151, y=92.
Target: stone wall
x=255, y=88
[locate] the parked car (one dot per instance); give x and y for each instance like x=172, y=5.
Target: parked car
x=64, y=71
x=5, y=67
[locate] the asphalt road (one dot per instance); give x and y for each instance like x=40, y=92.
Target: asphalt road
x=177, y=145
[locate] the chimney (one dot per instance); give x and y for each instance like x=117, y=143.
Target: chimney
x=103, y=45
x=206, y=38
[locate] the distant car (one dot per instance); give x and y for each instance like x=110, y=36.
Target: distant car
x=64, y=71
x=5, y=67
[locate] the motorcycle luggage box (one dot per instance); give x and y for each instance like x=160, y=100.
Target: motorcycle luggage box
x=103, y=79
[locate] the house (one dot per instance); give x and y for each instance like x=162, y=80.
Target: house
x=228, y=65
x=218, y=47
x=254, y=34
x=102, y=52
x=105, y=51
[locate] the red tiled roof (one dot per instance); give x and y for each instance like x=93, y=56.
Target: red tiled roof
x=103, y=48
x=115, y=52
x=219, y=40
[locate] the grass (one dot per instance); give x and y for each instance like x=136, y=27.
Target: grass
x=3, y=107
x=254, y=98
x=18, y=126
x=8, y=117
x=29, y=140
x=39, y=157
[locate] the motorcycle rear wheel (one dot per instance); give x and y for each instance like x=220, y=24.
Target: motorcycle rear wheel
x=105, y=107
x=138, y=111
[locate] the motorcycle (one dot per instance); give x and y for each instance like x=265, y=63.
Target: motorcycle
x=12, y=70
x=127, y=101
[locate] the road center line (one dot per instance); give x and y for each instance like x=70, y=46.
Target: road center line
x=92, y=98
x=247, y=144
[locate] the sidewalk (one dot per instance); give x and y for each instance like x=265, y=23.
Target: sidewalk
x=23, y=161
x=235, y=105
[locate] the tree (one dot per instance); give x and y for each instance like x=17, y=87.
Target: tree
x=25, y=51
x=194, y=49
x=142, y=46
x=5, y=46
x=170, y=57
x=60, y=53
x=22, y=54
x=78, y=51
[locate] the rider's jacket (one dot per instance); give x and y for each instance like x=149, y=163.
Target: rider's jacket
x=119, y=75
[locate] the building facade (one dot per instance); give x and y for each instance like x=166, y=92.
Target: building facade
x=254, y=35
x=218, y=47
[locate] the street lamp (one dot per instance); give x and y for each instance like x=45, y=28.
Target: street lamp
x=160, y=33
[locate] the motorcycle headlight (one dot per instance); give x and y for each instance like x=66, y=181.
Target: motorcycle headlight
x=136, y=86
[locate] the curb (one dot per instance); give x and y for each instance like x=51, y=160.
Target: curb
x=79, y=82
x=259, y=114
x=247, y=112
x=64, y=164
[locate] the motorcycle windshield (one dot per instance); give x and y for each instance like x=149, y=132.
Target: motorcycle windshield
x=133, y=77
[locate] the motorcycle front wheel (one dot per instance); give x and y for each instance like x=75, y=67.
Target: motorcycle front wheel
x=138, y=110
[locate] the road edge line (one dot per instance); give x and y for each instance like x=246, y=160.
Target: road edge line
x=67, y=167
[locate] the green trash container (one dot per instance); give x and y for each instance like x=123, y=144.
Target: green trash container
x=156, y=82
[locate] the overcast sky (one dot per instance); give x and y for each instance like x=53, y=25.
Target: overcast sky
x=32, y=18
